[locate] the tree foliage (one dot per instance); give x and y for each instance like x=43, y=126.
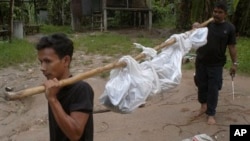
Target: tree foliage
x=185, y=11
x=241, y=17
x=183, y=14
x=59, y=12
x=160, y=10
x=4, y=10
x=201, y=10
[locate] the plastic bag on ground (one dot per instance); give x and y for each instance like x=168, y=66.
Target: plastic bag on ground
x=200, y=137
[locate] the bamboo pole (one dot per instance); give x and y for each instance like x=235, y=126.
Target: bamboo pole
x=88, y=74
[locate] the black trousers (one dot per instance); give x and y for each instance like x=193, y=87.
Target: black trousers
x=208, y=79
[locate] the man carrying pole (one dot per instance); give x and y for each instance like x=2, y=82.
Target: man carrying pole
x=210, y=61
x=70, y=107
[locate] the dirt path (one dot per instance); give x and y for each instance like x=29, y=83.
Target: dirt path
x=165, y=117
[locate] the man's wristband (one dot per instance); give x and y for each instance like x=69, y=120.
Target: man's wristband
x=235, y=63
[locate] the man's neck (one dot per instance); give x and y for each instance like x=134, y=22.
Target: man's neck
x=66, y=75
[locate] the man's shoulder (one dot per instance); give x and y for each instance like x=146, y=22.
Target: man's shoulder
x=225, y=23
x=230, y=25
x=82, y=84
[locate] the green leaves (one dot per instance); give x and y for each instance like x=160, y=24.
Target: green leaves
x=232, y=5
x=243, y=56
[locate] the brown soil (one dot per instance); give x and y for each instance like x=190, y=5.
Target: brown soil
x=165, y=117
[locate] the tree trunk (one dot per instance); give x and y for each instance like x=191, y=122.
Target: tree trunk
x=62, y=13
x=241, y=18
x=76, y=12
x=11, y=20
x=183, y=13
x=201, y=10
x=35, y=12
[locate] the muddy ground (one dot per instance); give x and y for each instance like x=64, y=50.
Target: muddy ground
x=165, y=117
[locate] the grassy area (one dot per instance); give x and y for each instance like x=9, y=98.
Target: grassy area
x=167, y=22
x=243, y=56
x=48, y=29
x=107, y=43
x=111, y=43
x=19, y=51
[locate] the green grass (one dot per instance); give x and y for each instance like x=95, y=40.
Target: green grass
x=49, y=29
x=111, y=44
x=107, y=43
x=19, y=51
x=243, y=56
x=167, y=22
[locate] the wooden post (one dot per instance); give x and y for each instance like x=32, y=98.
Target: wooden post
x=105, y=23
x=134, y=18
x=11, y=20
x=75, y=8
x=149, y=15
x=35, y=16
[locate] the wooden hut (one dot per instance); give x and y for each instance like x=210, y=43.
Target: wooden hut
x=99, y=9
x=140, y=8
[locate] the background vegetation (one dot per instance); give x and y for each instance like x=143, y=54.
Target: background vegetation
x=178, y=14
x=166, y=13
x=111, y=43
x=19, y=51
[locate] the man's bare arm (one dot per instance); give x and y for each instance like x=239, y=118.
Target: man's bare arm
x=72, y=125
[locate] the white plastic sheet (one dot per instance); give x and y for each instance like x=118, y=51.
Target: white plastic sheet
x=199, y=37
x=149, y=52
x=168, y=63
x=200, y=137
x=129, y=87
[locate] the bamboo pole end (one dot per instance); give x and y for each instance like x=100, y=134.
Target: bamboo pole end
x=8, y=96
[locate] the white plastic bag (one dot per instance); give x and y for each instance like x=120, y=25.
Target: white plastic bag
x=149, y=52
x=150, y=73
x=200, y=137
x=199, y=37
x=127, y=89
x=168, y=63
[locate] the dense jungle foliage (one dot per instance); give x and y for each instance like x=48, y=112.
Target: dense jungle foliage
x=178, y=13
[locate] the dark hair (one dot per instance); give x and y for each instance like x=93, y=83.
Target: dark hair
x=221, y=5
x=59, y=42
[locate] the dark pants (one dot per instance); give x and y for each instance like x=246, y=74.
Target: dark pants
x=209, y=81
